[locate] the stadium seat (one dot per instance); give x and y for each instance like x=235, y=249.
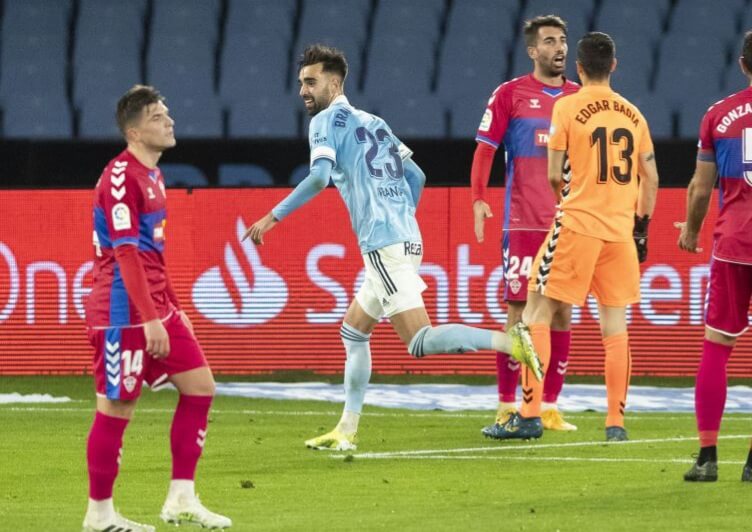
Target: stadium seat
x=33, y=64
x=104, y=78
x=37, y=117
x=183, y=175
x=470, y=66
x=691, y=112
x=419, y=19
x=198, y=19
x=265, y=116
x=244, y=175
x=465, y=117
x=262, y=18
x=636, y=20
x=179, y=65
x=699, y=17
x=196, y=117
x=96, y=118
x=634, y=66
x=678, y=78
x=657, y=112
x=493, y=20
x=35, y=17
x=399, y=65
x=415, y=117
x=252, y=66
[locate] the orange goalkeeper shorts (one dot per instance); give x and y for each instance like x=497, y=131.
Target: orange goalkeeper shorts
x=570, y=265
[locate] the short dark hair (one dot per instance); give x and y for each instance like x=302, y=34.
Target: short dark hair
x=131, y=104
x=332, y=59
x=747, y=51
x=531, y=27
x=595, y=53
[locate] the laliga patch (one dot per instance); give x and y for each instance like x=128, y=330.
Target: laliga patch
x=485, y=123
x=121, y=217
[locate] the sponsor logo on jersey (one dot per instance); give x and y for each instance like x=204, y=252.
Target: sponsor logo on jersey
x=485, y=123
x=541, y=137
x=261, y=299
x=150, y=193
x=159, y=231
x=535, y=103
x=121, y=217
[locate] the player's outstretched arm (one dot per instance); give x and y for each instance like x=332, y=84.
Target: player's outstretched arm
x=415, y=178
x=699, y=192
x=306, y=190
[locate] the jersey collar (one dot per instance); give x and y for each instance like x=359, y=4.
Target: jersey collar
x=342, y=99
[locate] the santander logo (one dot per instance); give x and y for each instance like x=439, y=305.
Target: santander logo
x=259, y=302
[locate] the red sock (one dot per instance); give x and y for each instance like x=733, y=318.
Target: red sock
x=557, y=367
x=710, y=391
x=103, y=454
x=507, y=377
x=188, y=434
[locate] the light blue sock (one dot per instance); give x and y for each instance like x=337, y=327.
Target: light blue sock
x=357, y=367
x=451, y=338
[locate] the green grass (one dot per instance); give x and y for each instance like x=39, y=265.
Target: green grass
x=540, y=485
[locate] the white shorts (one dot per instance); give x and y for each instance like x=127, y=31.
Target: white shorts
x=392, y=284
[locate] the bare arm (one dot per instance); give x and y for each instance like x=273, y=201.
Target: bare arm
x=699, y=192
x=648, y=185
x=556, y=170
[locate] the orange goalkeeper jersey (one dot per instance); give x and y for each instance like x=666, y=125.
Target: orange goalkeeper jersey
x=604, y=134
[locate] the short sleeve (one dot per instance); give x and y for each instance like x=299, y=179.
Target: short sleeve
x=321, y=138
x=404, y=151
x=121, y=202
x=557, y=134
x=706, y=146
x=493, y=124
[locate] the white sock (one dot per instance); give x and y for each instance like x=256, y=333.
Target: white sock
x=181, y=489
x=100, y=511
x=348, y=423
x=357, y=368
x=548, y=406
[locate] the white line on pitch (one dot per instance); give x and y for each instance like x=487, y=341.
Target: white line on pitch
x=551, y=459
x=535, y=446
x=632, y=416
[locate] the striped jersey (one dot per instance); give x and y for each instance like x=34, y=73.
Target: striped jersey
x=129, y=210
x=519, y=116
x=726, y=139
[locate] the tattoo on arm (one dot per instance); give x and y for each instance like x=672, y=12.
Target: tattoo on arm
x=650, y=157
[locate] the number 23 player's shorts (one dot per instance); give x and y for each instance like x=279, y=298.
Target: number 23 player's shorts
x=569, y=267
x=392, y=283
x=121, y=363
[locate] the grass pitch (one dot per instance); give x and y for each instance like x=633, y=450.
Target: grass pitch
x=412, y=471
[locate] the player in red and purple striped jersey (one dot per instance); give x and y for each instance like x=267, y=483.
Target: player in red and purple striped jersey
x=724, y=152
x=519, y=116
x=135, y=323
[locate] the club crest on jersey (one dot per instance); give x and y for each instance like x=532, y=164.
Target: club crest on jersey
x=535, y=103
x=129, y=383
x=121, y=217
x=515, y=285
x=485, y=123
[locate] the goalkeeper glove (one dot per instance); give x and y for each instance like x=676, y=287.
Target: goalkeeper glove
x=640, y=235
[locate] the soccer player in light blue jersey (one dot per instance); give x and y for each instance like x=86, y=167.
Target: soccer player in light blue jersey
x=381, y=186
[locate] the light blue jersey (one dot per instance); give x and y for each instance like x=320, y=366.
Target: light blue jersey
x=368, y=171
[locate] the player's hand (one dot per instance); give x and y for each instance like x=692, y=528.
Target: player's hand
x=257, y=230
x=157, y=339
x=186, y=321
x=687, y=240
x=481, y=211
x=640, y=235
